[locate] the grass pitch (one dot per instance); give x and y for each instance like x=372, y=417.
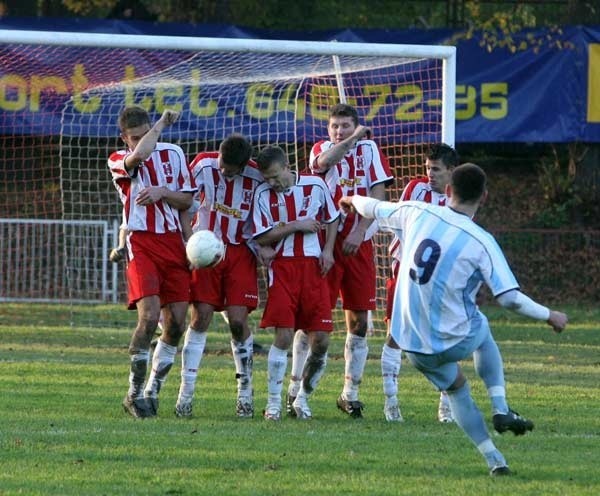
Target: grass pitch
x=63, y=430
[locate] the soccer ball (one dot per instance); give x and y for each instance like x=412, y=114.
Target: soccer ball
x=204, y=249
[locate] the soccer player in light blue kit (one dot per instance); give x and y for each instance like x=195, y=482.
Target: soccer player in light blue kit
x=445, y=259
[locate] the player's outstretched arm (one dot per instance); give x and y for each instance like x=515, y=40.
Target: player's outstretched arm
x=364, y=205
x=353, y=241
x=521, y=303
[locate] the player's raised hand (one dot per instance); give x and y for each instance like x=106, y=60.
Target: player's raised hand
x=557, y=320
x=169, y=116
x=362, y=132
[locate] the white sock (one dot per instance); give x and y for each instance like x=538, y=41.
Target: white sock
x=191, y=356
x=242, y=357
x=276, y=367
x=300, y=351
x=497, y=396
x=444, y=399
x=162, y=361
x=391, y=361
x=355, y=354
x=491, y=454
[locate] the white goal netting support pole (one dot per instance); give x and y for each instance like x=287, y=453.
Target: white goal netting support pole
x=63, y=91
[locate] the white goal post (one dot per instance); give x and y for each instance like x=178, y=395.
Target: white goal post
x=335, y=49
x=61, y=93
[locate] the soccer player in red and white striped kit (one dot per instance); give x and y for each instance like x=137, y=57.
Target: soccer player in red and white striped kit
x=226, y=181
x=154, y=184
x=351, y=163
x=441, y=159
x=290, y=210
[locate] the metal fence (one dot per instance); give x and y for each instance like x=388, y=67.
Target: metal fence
x=62, y=261
x=67, y=261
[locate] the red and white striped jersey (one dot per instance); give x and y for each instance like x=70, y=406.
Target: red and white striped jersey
x=420, y=190
x=225, y=202
x=362, y=167
x=308, y=198
x=165, y=167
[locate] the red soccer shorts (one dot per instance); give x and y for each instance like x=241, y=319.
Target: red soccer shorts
x=298, y=296
x=158, y=267
x=353, y=277
x=231, y=282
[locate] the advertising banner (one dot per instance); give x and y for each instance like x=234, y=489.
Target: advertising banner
x=544, y=87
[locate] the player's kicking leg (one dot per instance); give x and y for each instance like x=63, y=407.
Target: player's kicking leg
x=489, y=366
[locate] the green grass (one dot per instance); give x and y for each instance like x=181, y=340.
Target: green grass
x=63, y=431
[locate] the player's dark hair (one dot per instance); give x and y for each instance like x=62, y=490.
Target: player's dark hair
x=270, y=155
x=468, y=182
x=443, y=152
x=235, y=150
x=133, y=116
x=344, y=110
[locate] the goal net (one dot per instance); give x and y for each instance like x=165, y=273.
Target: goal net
x=61, y=93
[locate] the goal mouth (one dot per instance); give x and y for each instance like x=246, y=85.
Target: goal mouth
x=64, y=91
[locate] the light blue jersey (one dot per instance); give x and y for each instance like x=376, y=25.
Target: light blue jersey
x=445, y=259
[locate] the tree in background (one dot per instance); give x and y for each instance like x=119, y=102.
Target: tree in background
x=506, y=16
x=493, y=15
